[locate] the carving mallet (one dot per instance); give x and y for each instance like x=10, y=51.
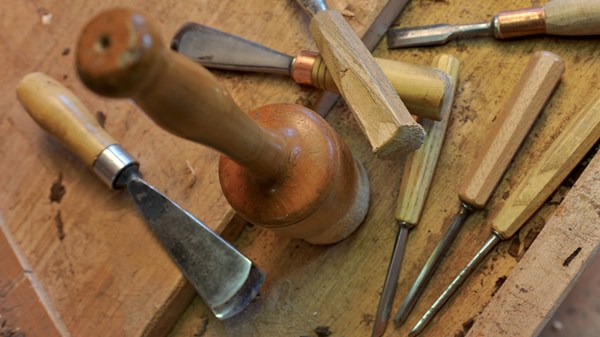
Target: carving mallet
x=376, y=106
x=557, y=17
x=283, y=167
x=538, y=184
x=224, y=278
x=528, y=97
x=416, y=180
x=425, y=90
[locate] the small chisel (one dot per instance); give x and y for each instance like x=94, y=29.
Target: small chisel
x=224, y=278
x=557, y=17
x=514, y=121
x=416, y=180
x=425, y=90
x=540, y=181
x=376, y=106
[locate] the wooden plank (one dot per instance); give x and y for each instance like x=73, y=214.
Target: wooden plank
x=101, y=267
x=339, y=286
x=547, y=272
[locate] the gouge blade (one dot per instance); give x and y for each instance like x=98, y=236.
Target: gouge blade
x=226, y=280
x=216, y=49
x=435, y=34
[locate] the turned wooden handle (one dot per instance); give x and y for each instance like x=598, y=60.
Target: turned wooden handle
x=424, y=90
x=375, y=104
x=572, y=17
x=58, y=111
x=420, y=165
x=529, y=96
x=120, y=54
x=541, y=180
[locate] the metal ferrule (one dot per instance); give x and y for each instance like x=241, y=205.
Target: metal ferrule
x=302, y=67
x=523, y=22
x=111, y=162
x=312, y=7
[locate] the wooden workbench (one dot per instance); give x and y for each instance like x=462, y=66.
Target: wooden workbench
x=103, y=273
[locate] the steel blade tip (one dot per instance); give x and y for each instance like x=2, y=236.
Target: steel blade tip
x=420, y=36
x=378, y=329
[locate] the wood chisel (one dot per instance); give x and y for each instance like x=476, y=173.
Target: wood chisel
x=224, y=278
x=528, y=97
x=283, y=166
x=416, y=180
x=376, y=106
x=557, y=17
x=538, y=184
x=425, y=90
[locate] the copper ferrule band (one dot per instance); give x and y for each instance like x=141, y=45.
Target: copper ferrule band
x=302, y=67
x=523, y=22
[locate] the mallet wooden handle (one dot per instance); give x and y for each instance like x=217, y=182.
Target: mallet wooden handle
x=122, y=55
x=425, y=90
x=528, y=98
x=541, y=180
x=380, y=113
x=572, y=17
x=420, y=165
x=58, y=111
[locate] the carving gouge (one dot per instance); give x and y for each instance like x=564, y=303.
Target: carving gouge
x=557, y=17
x=224, y=278
x=375, y=104
x=514, y=121
x=425, y=90
x=540, y=181
x=416, y=180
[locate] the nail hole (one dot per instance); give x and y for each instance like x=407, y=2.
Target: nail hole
x=103, y=42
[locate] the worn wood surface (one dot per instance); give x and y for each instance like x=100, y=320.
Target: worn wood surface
x=96, y=260
x=339, y=286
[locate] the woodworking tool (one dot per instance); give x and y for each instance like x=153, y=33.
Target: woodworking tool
x=528, y=97
x=424, y=90
x=268, y=171
x=226, y=280
x=376, y=106
x=538, y=184
x=557, y=17
x=416, y=180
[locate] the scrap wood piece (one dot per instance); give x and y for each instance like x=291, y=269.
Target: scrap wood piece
x=542, y=279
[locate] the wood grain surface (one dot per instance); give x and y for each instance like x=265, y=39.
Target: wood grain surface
x=95, y=257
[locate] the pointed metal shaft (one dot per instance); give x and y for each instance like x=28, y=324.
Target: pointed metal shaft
x=431, y=265
x=460, y=278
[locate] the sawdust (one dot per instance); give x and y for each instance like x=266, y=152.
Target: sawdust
x=7, y=331
x=57, y=190
x=192, y=174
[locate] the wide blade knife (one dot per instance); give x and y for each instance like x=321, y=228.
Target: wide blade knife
x=224, y=278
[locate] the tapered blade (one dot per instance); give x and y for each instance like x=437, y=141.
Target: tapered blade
x=434, y=34
x=216, y=49
x=225, y=279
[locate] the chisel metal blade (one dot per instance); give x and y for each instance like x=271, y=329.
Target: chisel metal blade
x=435, y=34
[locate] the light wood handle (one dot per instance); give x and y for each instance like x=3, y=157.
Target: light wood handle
x=58, y=111
x=377, y=107
x=120, y=54
x=420, y=165
x=572, y=17
x=529, y=96
x=541, y=180
x=424, y=90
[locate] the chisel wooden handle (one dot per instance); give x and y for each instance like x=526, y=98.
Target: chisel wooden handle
x=284, y=167
x=426, y=91
x=541, y=180
x=375, y=104
x=514, y=121
x=420, y=165
x=572, y=17
x=58, y=111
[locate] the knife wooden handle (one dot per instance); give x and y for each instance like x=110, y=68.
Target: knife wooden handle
x=529, y=96
x=424, y=90
x=420, y=165
x=541, y=180
x=572, y=17
x=58, y=111
x=283, y=167
x=376, y=106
